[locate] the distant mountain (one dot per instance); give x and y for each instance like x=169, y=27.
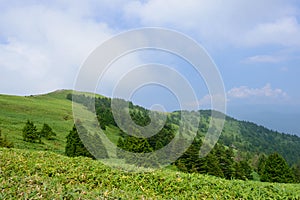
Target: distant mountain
x=276, y=117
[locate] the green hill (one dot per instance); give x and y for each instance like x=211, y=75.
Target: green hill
x=52, y=108
x=38, y=171
x=44, y=175
x=56, y=110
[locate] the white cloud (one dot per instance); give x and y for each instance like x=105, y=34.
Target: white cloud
x=254, y=95
x=45, y=46
x=242, y=23
x=264, y=59
x=284, y=31
x=243, y=92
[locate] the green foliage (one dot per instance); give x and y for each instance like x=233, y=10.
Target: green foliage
x=30, y=133
x=4, y=142
x=219, y=162
x=47, y=132
x=45, y=175
x=277, y=170
x=261, y=164
x=243, y=170
x=74, y=146
x=296, y=171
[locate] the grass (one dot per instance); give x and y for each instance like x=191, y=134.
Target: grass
x=52, y=108
x=28, y=174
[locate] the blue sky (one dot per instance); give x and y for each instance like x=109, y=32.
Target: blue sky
x=255, y=45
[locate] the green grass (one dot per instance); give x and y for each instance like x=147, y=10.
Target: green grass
x=28, y=174
x=53, y=109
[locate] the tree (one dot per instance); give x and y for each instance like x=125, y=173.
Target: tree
x=243, y=170
x=30, y=133
x=277, y=170
x=4, y=142
x=47, y=132
x=74, y=146
x=261, y=164
x=296, y=171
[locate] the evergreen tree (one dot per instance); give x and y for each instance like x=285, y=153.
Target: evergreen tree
x=4, y=142
x=47, y=132
x=296, y=171
x=225, y=159
x=243, y=170
x=261, y=164
x=30, y=133
x=277, y=170
x=74, y=146
x=210, y=165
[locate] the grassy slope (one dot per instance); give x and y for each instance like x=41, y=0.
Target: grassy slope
x=44, y=175
x=52, y=108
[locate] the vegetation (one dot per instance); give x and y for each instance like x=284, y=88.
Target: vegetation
x=4, y=142
x=44, y=175
x=30, y=133
x=47, y=132
x=245, y=151
x=53, y=109
x=277, y=170
x=75, y=146
x=221, y=161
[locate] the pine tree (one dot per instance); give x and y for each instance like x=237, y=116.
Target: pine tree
x=261, y=164
x=212, y=166
x=296, y=171
x=47, y=132
x=243, y=170
x=30, y=133
x=74, y=146
x=277, y=170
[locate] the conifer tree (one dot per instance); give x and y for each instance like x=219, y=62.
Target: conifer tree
x=74, y=146
x=277, y=170
x=30, y=133
x=296, y=171
x=261, y=164
x=243, y=170
x=47, y=132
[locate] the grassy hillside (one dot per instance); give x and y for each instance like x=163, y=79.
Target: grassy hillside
x=44, y=175
x=52, y=108
x=56, y=110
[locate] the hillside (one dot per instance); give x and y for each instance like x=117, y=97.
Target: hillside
x=45, y=175
x=56, y=110
x=52, y=108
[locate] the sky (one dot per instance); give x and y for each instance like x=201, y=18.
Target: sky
x=254, y=44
